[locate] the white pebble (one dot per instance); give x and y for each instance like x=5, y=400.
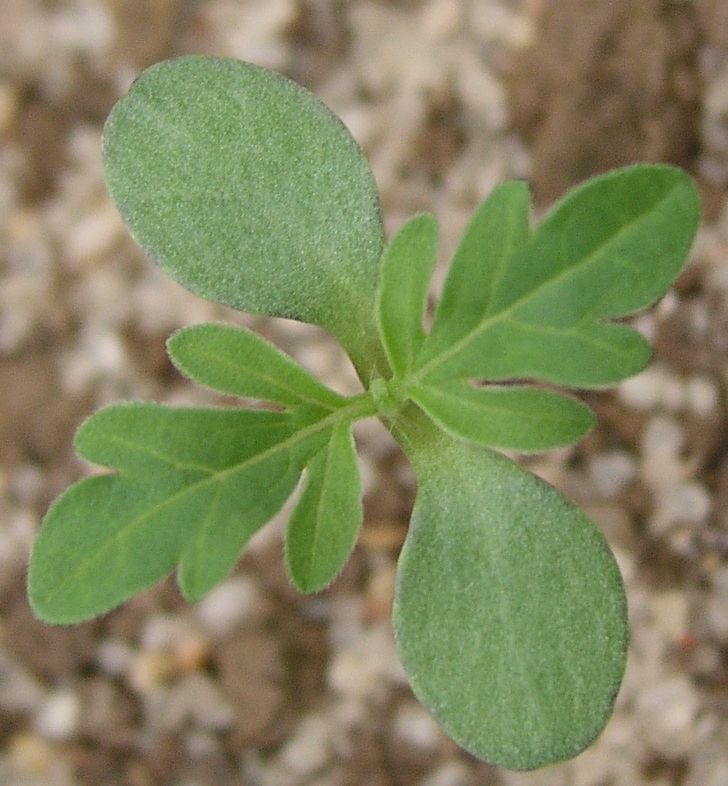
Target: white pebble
x=162, y=631
x=352, y=675
x=610, y=472
x=114, y=656
x=667, y=713
x=310, y=747
x=206, y=705
x=702, y=396
x=643, y=391
x=58, y=716
x=227, y=605
x=95, y=356
x=194, y=698
x=93, y=234
x=440, y=19
x=491, y=21
x=381, y=651
x=414, y=726
x=661, y=464
x=662, y=436
x=689, y=503
x=345, y=627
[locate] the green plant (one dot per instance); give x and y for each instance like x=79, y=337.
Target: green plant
x=510, y=613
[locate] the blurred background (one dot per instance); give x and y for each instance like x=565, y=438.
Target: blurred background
x=255, y=685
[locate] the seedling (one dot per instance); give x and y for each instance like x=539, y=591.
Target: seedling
x=510, y=613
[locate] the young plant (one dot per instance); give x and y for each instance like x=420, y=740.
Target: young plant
x=510, y=613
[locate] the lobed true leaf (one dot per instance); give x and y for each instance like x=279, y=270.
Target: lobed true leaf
x=193, y=486
x=611, y=246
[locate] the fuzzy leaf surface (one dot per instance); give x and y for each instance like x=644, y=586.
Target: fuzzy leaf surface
x=192, y=486
x=509, y=614
x=510, y=418
x=500, y=225
x=248, y=191
x=323, y=528
x=409, y=260
x=239, y=362
x=611, y=247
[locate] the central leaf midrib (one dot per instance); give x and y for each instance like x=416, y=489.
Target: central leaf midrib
x=316, y=536
x=328, y=398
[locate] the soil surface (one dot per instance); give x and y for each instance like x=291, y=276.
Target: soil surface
x=256, y=685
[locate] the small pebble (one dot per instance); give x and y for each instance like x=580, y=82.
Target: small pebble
x=661, y=465
x=351, y=674
x=440, y=19
x=346, y=626
x=227, y=605
x=667, y=713
x=58, y=716
x=690, y=503
x=380, y=650
x=309, y=748
x=194, y=698
x=94, y=233
x=163, y=631
x=702, y=396
x=687, y=504
x=643, y=391
x=414, y=726
x=114, y=656
x=149, y=670
x=379, y=594
x=611, y=471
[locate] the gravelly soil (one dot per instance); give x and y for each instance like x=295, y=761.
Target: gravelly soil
x=258, y=685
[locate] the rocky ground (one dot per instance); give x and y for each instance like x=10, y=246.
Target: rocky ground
x=257, y=686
